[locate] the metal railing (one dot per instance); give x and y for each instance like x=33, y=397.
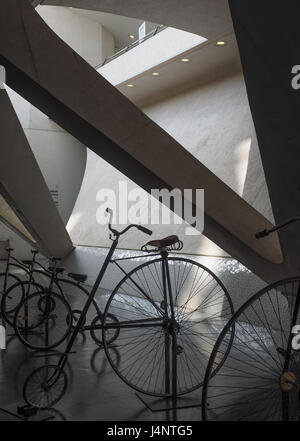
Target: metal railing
x=132, y=46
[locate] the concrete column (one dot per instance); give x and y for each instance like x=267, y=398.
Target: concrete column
x=268, y=36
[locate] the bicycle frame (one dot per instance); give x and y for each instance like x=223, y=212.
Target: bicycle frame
x=115, y=240
x=169, y=323
x=259, y=235
x=63, y=358
x=9, y=264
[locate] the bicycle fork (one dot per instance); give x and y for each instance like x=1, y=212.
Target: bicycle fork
x=63, y=359
x=171, y=328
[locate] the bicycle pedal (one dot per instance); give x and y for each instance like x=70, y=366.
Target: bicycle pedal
x=27, y=411
x=179, y=350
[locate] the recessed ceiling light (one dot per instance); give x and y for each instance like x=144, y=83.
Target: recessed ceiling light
x=155, y=74
x=131, y=36
x=185, y=60
x=221, y=43
x=130, y=85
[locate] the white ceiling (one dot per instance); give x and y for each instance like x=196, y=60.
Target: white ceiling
x=207, y=62
x=120, y=27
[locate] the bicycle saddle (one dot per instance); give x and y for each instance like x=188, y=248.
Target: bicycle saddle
x=78, y=277
x=57, y=270
x=163, y=243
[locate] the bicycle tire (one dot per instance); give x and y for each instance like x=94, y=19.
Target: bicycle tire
x=14, y=296
x=249, y=384
x=53, y=326
x=95, y=336
x=131, y=308
x=34, y=392
x=12, y=277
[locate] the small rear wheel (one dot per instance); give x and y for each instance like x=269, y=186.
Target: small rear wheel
x=111, y=335
x=45, y=386
x=43, y=329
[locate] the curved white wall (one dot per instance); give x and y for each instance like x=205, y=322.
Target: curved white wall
x=61, y=157
x=87, y=37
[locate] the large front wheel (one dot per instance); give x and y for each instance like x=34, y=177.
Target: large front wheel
x=157, y=319
x=260, y=378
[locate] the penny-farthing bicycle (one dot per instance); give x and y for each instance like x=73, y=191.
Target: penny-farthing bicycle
x=167, y=314
x=260, y=378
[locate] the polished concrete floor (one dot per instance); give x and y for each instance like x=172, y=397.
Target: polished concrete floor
x=94, y=392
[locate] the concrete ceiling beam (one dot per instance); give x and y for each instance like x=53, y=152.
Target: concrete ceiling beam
x=32, y=212
x=268, y=37
x=207, y=18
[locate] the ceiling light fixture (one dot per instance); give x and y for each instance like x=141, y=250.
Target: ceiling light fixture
x=155, y=74
x=221, y=43
x=130, y=85
x=131, y=36
x=185, y=60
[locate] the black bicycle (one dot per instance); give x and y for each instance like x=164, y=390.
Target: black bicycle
x=9, y=278
x=34, y=275
x=44, y=314
x=259, y=379
x=163, y=317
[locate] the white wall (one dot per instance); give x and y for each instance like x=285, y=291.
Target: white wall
x=61, y=157
x=21, y=248
x=87, y=37
x=213, y=122
x=62, y=160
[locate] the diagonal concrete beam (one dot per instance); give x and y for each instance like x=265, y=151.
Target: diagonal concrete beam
x=45, y=71
x=11, y=220
x=268, y=36
x=208, y=18
x=35, y=3
x=29, y=209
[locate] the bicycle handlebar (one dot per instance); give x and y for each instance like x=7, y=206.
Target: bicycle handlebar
x=119, y=233
x=144, y=229
x=266, y=232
